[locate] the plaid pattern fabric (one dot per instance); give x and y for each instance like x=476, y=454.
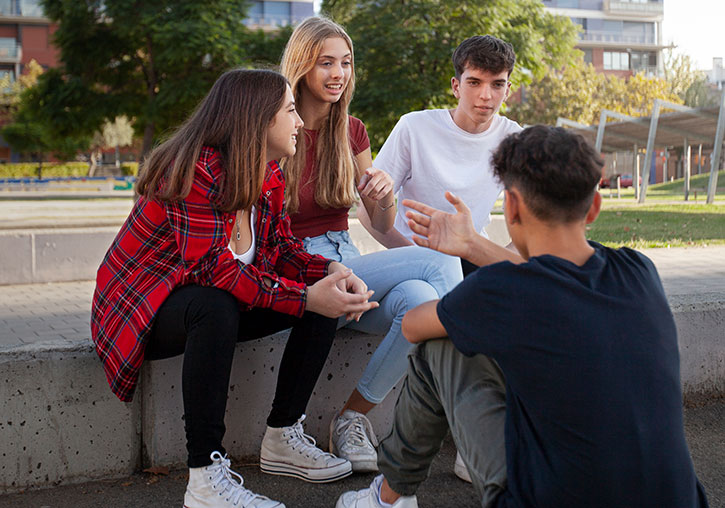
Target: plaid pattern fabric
x=165, y=245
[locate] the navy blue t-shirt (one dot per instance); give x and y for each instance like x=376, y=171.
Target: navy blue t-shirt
x=593, y=397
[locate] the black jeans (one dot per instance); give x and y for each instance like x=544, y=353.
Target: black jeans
x=204, y=324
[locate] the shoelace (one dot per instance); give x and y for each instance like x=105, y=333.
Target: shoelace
x=356, y=430
x=230, y=481
x=297, y=437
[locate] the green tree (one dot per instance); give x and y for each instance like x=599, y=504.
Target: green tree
x=577, y=92
x=687, y=82
x=403, y=49
x=149, y=61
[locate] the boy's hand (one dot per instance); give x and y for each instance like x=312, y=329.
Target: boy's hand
x=445, y=232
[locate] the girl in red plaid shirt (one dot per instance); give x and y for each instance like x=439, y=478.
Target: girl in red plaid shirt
x=207, y=259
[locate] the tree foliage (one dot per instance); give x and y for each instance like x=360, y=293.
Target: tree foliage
x=149, y=61
x=687, y=82
x=579, y=93
x=403, y=49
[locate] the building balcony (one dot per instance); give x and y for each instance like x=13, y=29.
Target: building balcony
x=10, y=50
x=22, y=10
x=615, y=38
x=634, y=8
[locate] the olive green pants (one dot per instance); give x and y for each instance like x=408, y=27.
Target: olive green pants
x=446, y=390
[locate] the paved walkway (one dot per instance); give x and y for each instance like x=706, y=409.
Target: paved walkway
x=58, y=314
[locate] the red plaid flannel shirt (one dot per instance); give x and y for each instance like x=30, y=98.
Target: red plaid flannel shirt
x=165, y=245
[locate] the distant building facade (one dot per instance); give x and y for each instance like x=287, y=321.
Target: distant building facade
x=621, y=37
x=271, y=15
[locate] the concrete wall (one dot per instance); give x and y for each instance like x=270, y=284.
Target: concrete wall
x=251, y=390
x=52, y=255
x=60, y=423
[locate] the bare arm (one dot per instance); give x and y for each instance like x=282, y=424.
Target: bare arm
x=454, y=233
x=376, y=191
x=391, y=239
x=422, y=323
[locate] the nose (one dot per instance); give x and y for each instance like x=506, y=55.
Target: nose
x=299, y=123
x=485, y=92
x=337, y=71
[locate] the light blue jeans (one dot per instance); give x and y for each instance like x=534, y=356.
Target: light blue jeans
x=402, y=278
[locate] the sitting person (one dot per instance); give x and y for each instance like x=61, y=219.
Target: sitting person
x=206, y=259
x=548, y=405
x=332, y=161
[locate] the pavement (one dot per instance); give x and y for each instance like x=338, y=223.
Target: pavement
x=57, y=315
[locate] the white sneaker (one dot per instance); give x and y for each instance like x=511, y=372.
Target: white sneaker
x=370, y=498
x=461, y=470
x=352, y=437
x=217, y=486
x=290, y=452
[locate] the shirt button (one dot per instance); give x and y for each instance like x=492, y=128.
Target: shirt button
x=231, y=220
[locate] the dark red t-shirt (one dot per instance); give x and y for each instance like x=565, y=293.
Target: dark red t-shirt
x=311, y=219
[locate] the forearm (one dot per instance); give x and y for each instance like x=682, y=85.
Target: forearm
x=380, y=213
x=391, y=239
x=422, y=323
x=481, y=251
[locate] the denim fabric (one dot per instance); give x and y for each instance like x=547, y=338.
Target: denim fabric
x=402, y=278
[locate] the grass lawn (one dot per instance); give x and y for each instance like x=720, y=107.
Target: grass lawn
x=665, y=225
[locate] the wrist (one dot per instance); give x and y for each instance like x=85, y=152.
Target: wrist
x=389, y=199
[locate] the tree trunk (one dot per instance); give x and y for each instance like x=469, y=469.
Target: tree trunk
x=148, y=139
x=118, y=157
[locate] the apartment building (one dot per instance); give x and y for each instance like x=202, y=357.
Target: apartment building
x=25, y=34
x=272, y=15
x=621, y=37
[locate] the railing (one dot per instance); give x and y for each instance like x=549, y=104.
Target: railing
x=21, y=8
x=611, y=6
x=599, y=36
x=9, y=49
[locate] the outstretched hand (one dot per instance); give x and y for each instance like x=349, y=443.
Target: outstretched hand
x=445, y=232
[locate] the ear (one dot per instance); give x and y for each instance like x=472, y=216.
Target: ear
x=595, y=208
x=512, y=206
x=508, y=91
x=455, y=84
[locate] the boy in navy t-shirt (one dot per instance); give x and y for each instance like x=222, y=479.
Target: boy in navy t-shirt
x=560, y=382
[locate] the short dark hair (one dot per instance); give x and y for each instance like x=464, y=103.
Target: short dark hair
x=555, y=170
x=486, y=53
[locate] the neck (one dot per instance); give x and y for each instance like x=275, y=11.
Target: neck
x=467, y=125
x=566, y=241
x=312, y=111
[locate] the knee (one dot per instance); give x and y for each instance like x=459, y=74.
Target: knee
x=213, y=306
x=411, y=293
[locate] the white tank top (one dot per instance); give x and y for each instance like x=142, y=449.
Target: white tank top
x=248, y=257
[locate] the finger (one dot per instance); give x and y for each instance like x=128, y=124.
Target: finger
x=418, y=229
x=422, y=220
x=457, y=202
x=339, y=275
x=363, y=180
x=423, y=242
x=418, y=206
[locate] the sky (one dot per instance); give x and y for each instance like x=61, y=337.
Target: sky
x=697, y=28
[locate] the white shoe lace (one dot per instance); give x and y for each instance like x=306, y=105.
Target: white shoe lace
x=297, y=438
x=230, y=482
x=357, y=431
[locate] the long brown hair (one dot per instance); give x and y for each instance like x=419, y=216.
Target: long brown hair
x=233, y=118
x=336, y=166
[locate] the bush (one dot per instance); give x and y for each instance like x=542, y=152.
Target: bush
x=50, y=169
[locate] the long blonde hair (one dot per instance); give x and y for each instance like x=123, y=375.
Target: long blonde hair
x=233, y=118
x=336, y=166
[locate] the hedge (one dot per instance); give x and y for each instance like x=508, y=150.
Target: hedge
x=55, y=169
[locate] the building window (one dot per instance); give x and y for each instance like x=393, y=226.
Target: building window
x=587, y=55
x=269, y=14
x=616, y=61
x=31, y=8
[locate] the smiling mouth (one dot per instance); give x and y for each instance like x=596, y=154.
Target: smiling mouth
x=334, y=87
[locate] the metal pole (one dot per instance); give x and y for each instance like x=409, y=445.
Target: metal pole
x=716, y=151
x=635, y=181
x=650, y=150
x=687, y=166
x=600, y=131
x=699, y=159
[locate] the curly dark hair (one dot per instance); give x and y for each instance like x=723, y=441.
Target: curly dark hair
x=555, y=170
x=485, y=53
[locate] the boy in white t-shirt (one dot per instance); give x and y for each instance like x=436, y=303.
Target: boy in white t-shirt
x=432, y=151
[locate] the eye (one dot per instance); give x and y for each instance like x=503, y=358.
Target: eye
x=347, y=63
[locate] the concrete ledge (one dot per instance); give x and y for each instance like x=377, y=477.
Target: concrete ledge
x=52, y=255
x=60, y=423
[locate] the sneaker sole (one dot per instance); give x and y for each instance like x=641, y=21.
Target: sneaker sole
x=363, y=466
x=284, y=469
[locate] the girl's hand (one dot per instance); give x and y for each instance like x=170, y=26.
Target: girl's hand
x=375, y=184
x=325, y=297
x=351, y=284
